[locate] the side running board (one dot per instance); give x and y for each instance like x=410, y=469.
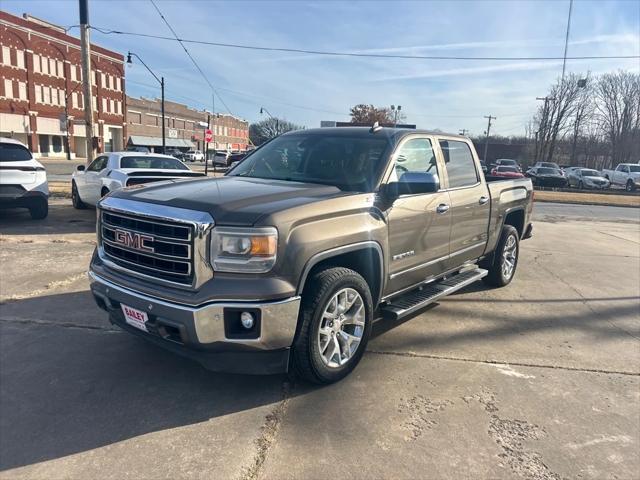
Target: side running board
x=414, y=300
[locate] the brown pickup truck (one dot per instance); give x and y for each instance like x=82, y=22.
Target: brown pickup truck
x=286, y=262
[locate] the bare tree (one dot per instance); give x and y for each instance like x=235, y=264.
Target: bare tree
x=582, y=114
x=553, y=116
x=269, y=128
x=618, y=109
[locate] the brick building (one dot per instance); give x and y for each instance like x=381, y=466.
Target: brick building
x=40, y=71
x=184, y=126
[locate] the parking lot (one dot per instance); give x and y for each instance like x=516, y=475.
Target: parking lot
x=538, y=380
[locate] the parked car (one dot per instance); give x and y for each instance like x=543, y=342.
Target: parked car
x=221, y=157
x=625, y=175
x=506, y=162
x=132, y=148
x=506, y=172
x=547, y=177
x=587, y=178
x=288, y=259
x=174, y=152
x=113, y=171
x=194, y=156
x=23, y=180
x=483, y=166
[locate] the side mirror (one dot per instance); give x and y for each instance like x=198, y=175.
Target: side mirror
x=412, y=183
x=80, y=168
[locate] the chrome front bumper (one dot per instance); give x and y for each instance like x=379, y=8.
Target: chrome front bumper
x=204, y=331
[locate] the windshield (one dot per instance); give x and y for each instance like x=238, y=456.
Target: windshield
x=506, y=162
x=634, y=168
x=508, y=169
x=152, y=162
x=350, y=163
x=548, y=171
x=548, y=164
x=590, y=173
x=12, y=152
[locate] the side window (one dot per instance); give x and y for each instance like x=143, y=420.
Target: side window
x=458, y=160
x=416, y=155
x=98, y=164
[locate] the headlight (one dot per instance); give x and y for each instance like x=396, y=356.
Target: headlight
x=243, y=250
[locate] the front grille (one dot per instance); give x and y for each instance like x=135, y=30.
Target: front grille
x=155, y=248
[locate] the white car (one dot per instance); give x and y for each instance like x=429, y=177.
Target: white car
x=23, y=180
x=112, y=171
x=194, y=156
x=625, y=175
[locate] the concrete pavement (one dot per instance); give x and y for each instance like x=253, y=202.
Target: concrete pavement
x=538, y=380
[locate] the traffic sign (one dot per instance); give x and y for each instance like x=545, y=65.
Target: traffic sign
x=208, y=136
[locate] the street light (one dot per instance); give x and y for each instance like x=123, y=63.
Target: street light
x=161, y=82
x=263, y=111
x=395, y=111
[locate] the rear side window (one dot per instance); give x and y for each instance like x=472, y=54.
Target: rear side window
x=11, y=152
x=458, y=160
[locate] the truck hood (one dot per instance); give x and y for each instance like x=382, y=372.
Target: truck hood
x=234, y=201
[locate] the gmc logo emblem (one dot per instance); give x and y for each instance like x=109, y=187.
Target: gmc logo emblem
x=137, y=241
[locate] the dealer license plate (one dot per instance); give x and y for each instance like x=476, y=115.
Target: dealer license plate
x=134, y=317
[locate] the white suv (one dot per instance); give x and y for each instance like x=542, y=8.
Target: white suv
x=23, y=180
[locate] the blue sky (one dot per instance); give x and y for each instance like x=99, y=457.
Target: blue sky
x=449, y=95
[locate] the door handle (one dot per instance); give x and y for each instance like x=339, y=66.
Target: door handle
x=442, y=208
x=483, y=200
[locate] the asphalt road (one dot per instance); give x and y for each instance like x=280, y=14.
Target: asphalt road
x=538, y=380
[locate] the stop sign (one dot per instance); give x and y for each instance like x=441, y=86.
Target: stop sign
x=208, y=136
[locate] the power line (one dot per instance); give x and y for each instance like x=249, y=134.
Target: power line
x=189, y=55
x=106, y=31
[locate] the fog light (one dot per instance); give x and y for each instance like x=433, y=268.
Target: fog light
x=247, y=320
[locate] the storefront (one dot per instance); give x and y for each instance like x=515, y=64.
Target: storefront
x=154, y=144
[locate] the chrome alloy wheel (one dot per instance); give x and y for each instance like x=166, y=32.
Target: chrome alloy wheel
x=341, y=327
x=509, y=257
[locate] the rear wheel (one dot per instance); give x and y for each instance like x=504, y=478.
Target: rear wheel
x=335, y=324
x=75, y=197
x=39, y=209
x=630, y=186
x=505, y=259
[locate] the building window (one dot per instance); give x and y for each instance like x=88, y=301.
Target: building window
x=22, y=90
x=104, y=105
x=52, y=67
x=93, y=77
x=112, y=106
x=73, y=72
x=36, y=63
x=45, y=66
x=60, y=68
x=135, y=117
x=46, y=95
x=63, y=97
x=94, y=102
x=54, y=96
x=103, y=80
x=6, y=55
x=56, y=143
x=38, y=94
x=74, y=100
x=118, y=86
x=20, y=58
x=8, y=88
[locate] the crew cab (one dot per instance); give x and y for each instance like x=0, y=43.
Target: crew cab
x=23, y=180
x=113, y=171
x=625, y=175
x=285, y=263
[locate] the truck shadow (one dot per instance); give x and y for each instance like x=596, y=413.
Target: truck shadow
x=66, y=389
x=62, y=219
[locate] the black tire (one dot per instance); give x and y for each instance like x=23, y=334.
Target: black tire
x=39, y=210
x=308, y=363
x=104, y=191
x=630, y=187
x=496, y=276
x=77, y=202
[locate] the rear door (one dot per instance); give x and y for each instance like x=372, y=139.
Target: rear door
x=418, y=224
x=470, y=203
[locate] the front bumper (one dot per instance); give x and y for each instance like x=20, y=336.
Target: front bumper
x=207, y=333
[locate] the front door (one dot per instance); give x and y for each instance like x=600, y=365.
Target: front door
x=470, y=204
x=419, y=225
x=91, y=191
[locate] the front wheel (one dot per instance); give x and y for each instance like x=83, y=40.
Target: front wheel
x=505, y=259
x=335, y=324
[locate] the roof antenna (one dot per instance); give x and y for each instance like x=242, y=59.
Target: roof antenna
x=375, y=128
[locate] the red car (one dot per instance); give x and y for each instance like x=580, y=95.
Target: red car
x=507, y=172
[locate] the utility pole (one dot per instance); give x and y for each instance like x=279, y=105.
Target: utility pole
x=85, y=46
x=164, y=142
x=463, y=132
x=213, y=131
x=566, y=40
x=206, y=148
x=486, y=142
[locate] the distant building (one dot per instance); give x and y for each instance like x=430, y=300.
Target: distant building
x=184, y=128
x=40, y=73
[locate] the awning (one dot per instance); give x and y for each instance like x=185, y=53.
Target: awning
x=141, y=141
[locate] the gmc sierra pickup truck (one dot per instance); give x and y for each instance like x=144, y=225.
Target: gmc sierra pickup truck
x=285, y=262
